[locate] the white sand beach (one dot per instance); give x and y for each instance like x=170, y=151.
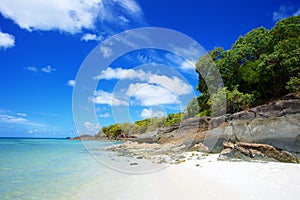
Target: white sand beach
x=212, y=179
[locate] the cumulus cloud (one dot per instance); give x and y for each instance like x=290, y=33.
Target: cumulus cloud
x=68, y=15
x=102, y=97
x=48, y=69
x=149, y=95
x=120, y=73
x=6, y=40
x=284, y=12
x=71, y=83
x=149, y=113
x=188, y=65
x=153, y=89
x=106, y=51
x=32, y=69
x=174, y=84
x=90, y=37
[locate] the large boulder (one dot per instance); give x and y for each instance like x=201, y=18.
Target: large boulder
x=242, y=150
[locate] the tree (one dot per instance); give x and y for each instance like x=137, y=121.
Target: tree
x=260, y=66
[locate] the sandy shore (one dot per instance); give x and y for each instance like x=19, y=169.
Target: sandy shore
x=203, y=179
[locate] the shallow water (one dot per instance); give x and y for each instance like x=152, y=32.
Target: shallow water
x=48, y=168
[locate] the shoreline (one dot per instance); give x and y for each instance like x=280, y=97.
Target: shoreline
x=204, y=179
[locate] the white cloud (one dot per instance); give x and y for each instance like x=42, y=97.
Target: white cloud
x=102, y=97
x=106, y=51
x=149, y=113
x=33, y=131
x=155, y=89
x=190, y=52
x=22, y=114
x=48, y=69
x=67, y=15
x=188, y=65
x=183, y=64
x=149, y=95
x=104, y=115
x=284, y=12
x=91, y=126
x=130, y=5
x=12, y=119
x=174, y=84
x=32, y=69
x=18, y=118
x=120, y=73
x=90, y=37
x=124, y=19
x=6, y=40
x=71, y=83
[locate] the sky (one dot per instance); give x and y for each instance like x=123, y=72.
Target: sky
x=43, y=45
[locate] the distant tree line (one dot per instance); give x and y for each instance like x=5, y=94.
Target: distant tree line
x=125, y=130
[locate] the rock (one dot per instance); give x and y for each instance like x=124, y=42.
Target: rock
x=243, y=115
x=290, y=96
x=278, y=108
x=216, y=121
x=269, y=151
x=199, y=147
x=276, y=124
x=255, y=151
x=280, y=132
x=179, y=161
x=133, y=163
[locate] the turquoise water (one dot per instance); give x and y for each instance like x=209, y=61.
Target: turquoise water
x=47, y=168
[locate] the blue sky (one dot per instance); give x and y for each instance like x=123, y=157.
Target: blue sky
x=44, y=43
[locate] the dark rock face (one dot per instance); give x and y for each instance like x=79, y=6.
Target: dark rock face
x=278, y=108
x=241, y=150
x=276, y=124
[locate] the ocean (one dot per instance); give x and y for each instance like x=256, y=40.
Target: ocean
x=49, y=168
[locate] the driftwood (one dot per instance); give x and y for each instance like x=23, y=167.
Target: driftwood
x=255, y=150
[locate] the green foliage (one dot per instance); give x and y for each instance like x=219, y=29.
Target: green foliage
x=173, y=119
x=123, y=130
x=261, y=66
x=143, y=123
x=237, y=101
x=192, y=108
x=113, y=131
x=293, y=85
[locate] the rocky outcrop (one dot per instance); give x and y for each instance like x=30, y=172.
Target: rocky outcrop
x=84, y=137
x=276, y=124
x=242, y=150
